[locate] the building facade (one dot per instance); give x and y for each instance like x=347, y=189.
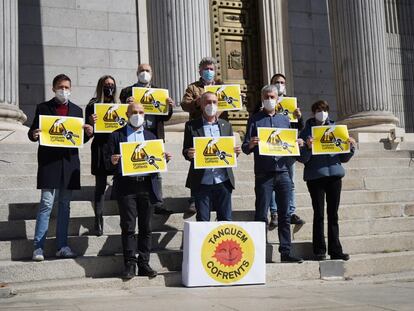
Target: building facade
x=358, y=54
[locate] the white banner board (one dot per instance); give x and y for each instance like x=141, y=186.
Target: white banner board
x=224, y=253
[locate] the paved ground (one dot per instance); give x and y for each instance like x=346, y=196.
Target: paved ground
x=378, y=293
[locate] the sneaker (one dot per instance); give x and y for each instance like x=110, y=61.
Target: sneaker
x=273, y=221
x=289, y=258
x=342, y=256
x=65, y=252
x=296, y=220
x=38, y=255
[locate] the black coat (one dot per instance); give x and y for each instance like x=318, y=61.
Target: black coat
x=98, y=144
x=113, y=147
x=194, y=128
x=57, y=167
x=158, y=127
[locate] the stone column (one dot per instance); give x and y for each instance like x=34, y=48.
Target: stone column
x=274, y=33
x=11, y=117
x=178, y=36
x=359, y=51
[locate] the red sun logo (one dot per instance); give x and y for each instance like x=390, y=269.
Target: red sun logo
x=228, y=253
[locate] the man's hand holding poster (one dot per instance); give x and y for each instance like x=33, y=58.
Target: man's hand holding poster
x=278, y=141
x=214, y=152
x=58, y=131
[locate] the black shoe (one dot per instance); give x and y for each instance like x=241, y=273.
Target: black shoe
x=273, y=221
x=191, y=208
x=342, y=256
x=289, y=258
x=146, y=270
x=129, y=271
x=162, y=211
x=98, y=225
x=296, y=220
x=320, y=257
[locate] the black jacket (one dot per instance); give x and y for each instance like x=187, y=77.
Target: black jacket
x=98, y=143
x=158, y=127
x=58, y=167
x=194, y=128
x=113, y=147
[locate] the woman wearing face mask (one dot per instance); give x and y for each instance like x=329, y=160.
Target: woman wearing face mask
x=105, y=93
x=323, y=175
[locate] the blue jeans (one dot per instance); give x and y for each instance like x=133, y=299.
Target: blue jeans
x=43, y=215
x=216, y=197
x=281, y=183
x=292, y=199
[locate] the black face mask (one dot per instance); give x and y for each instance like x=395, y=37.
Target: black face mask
x=108, y=91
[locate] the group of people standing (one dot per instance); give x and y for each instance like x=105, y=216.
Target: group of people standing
x=140, y=196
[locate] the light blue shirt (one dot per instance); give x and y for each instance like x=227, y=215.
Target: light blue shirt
x=136, y=136
x=213, y=175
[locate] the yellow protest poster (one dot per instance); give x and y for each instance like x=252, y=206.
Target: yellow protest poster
x=287, y=106
x=330, y=139
x=143, y=157
x=229, y=97
x=214, y=152
x=110, y=117
x=153, y=100
x=58, y=131
x=278, y=141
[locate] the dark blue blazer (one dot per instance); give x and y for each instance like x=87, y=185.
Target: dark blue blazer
x=113, y=147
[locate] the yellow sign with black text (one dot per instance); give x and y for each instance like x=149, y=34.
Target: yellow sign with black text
x=214, y=152
x=58, y=131
x=153, y=100
x=229, y=96
x=287, y=106
x=227, y=253
x=145, y=157
x=110, y=117
x=278, y=141
x=330, y=139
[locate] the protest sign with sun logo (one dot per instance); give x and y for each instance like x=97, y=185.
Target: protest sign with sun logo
x=278, y=141
x=153, y=100
x=330, y=139
x=58, y=131
x=143, y=157
x=287, y=106
x=110, y=117
x=214, y=152
x=229, y=96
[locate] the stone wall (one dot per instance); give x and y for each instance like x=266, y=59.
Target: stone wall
x=84, y=39
x=313, y=73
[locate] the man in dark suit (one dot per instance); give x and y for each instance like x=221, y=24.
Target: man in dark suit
x=211, y=188
x=153, y=123
x=58, y=171
x=135, y=195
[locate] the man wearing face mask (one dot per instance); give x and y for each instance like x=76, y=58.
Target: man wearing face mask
x=211, y=188
x=271, y=173
x=136, y=195
x=58, y=171
x=279, y=80
x=153, y=123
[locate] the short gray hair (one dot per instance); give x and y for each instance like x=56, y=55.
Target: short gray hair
x=270, y=88
x=207, y=61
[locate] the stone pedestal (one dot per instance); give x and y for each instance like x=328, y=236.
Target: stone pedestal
x=11, y=117
x=274, y=33
x=361, y=67
x=178, y=37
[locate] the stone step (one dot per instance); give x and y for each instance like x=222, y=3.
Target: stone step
x=111, y=245
x=85, y=209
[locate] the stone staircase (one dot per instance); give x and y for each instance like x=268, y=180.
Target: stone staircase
x=376, y=222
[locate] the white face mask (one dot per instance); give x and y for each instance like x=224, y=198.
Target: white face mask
x=281, y=88
x=62, y=95
x=136, y=120
x=321, y=116
x=210, y=110
x=144, y=77
x=269, y=104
